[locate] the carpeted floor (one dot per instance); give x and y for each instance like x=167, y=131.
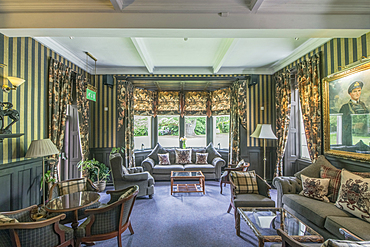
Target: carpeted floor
x=184, y=219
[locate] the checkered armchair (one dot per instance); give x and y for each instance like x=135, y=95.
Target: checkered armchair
x=248, y=190
x=22, y=230
x=72, y=186
x=109, y=220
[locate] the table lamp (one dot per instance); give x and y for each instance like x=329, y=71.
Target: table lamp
x=42, y=148
x=264, y=131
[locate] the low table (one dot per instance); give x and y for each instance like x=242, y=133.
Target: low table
x=187, y=187
x=265, y=221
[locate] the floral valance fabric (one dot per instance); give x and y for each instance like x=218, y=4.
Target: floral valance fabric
x=144, y=102
x=220, y=102
x=168, y=103
x=196, y=103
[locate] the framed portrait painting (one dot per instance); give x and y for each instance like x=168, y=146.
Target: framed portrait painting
x=346, y=113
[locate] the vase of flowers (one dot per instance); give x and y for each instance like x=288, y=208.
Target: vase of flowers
x=183, y=141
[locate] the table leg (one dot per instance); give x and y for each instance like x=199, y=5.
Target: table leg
x=261, y=243
x=171, y=186
x=75, y=220
x=204, y=185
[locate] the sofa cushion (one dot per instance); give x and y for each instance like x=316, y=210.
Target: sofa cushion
x=204, y=168
x=154, y=154
x=194, y=153
x=166, y=169
x=334, y=175
x=313, y=210
x=253, y=200
x=354, y=195
x=356, y=226
x=345, y=243
x=313, y=170
x=183, y=156
x=315, y=188
x=172, y=153
x=201, y=158
x=212, y=153
x=164, y=159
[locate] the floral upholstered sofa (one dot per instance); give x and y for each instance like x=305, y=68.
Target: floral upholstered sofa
x=161, y=161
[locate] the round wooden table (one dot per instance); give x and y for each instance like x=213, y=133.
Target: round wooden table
x=72, y=202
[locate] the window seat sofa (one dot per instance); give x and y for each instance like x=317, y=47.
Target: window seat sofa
x=212, y=170
x=324, y=217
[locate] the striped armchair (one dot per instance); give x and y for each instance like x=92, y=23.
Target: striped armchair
x=21, y=230
x=109, y=220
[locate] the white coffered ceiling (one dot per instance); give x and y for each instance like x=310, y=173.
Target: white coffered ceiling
x=184, y=37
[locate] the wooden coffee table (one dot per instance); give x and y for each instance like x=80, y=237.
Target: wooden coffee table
x=264, y=223
x=187, y=187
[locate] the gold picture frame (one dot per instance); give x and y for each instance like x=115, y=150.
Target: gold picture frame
x=346, y=104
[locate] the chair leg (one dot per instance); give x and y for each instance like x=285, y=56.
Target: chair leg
x=78, y=243
x=237, y=222
x=230, y=206
x=119, y=240
x=221, y=187
x=130, y=228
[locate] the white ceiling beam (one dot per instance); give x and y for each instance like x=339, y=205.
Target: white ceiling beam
x=121, y=4
x=143, y=52
x=254, y=6
x=226, y=47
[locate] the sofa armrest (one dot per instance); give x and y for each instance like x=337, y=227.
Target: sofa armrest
x=136, y=169
x=135, y=176
x=286, y=185
x=218, y=163
x=263, y=187
x=148, y=164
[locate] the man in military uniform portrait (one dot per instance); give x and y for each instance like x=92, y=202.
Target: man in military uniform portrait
x=354, y=106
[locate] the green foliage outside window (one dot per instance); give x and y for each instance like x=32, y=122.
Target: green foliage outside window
x=223, y=124
x=168, y=126
x=200, y=127
x=141, y=126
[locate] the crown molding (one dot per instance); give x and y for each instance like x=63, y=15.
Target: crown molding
x=299, y=52
x=64, y=52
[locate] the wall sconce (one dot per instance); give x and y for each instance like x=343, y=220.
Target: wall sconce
x=15, y=81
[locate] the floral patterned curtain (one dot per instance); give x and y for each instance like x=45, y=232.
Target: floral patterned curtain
x=283, y=104
x=83, y=106
x=126, y=117
x=59, y=98
x=168, y=103
x=144, y=102
x=220, y=102
x=309, y=94
x=195, y=103
x=243, y=102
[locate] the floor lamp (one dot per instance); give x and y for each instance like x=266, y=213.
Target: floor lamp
x=264, y=131
x=42, y=148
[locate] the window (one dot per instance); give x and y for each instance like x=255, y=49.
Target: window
x=168, y=131
x=195, y=131
x=303, y=141
x=221, y=126
x=142, y=132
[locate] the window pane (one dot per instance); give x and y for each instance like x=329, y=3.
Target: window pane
x=142, y=132
x=304, y=149
x=195, y=131
x=221, y=126
x=168, y=131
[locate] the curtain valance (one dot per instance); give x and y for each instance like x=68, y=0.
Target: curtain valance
x=196, y=103
x=220, y=102
x=144, y=102
x=168, y=103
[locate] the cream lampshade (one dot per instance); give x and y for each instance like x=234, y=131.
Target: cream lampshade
x=41, y=148
x=264, y=131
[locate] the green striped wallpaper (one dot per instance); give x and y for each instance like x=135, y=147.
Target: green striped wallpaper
x=28, y=59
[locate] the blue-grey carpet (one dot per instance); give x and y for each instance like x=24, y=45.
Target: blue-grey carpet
x=184, y=219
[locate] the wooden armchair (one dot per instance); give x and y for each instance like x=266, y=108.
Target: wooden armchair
x=225, y=175
x=256, y=197
x=111, y=220
x=26, y=232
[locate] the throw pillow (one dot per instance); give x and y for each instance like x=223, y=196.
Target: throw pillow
x=172, y=153
x=240, y=164
x=154, y=154
x=313, y=170
x=345, y=243
x=69, y=187
x=5, y=219
x=212, y=153
x=183, y=156
x=245, y=182
x=164, y=159
x=201, y=158
x=335, y=180
x=194, y=152
x=128, y=192
x=316, y=188
x=354, y=195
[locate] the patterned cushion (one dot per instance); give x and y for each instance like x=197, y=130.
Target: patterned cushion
x=127, y=193
x=164, y=159
x=316, y=188
x=69, y=187
x=245, y=182
x=354, y=195
x=194, y=152
x=183, y=156
x=5, y=219
x=335, y=180
x=345, y=243
x=201, y=158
